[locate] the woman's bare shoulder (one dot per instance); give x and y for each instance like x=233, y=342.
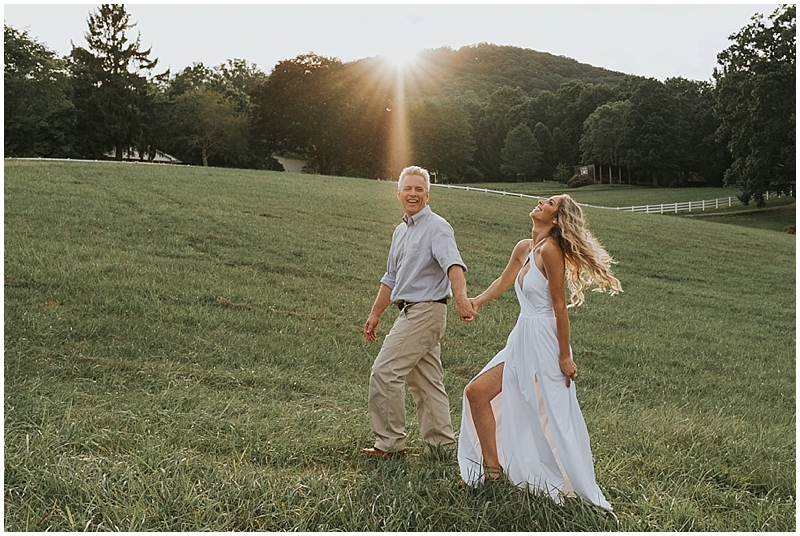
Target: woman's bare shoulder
x=550, y=249
x=523, y=247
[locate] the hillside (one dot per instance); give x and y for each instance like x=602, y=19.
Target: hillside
x=184, y=352
x=481, y=69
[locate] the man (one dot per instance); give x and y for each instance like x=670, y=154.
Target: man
x=423, y=262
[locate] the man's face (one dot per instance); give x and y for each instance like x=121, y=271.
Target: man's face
x=413, y=195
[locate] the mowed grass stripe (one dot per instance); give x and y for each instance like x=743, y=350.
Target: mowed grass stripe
x=183, y=351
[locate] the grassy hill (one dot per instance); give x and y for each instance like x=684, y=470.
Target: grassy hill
x=777, y=214
x=183, y=351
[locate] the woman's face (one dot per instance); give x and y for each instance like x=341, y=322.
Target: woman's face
x=546, y=210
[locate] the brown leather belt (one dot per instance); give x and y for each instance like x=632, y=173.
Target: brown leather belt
x=402, y=305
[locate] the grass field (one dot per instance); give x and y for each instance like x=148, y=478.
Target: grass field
x=183, y=351
x=777, y=214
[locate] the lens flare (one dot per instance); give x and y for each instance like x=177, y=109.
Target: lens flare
x=400, y=57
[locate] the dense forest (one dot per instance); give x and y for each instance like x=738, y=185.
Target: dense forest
x=480, y=113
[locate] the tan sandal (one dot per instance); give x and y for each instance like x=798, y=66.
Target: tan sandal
x=493, y=473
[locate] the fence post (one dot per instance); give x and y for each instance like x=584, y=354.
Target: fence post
x=662, y=208
x=717, y=202
x=704, y=205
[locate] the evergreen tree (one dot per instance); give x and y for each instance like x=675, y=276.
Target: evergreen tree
x=112, y=97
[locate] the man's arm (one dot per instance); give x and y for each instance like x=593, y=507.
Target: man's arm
x=466, y=311
x=382, y=301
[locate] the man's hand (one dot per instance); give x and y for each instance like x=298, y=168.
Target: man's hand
x=382, y=301
x=466, y=311
x=369, y=328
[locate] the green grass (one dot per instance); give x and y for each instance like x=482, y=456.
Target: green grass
x=183, y=351
x=777, y=214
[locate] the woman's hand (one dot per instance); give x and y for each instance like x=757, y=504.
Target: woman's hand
x=569, y=368
x=474, y=304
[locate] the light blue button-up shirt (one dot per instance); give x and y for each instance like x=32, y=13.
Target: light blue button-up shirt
x=423, y=249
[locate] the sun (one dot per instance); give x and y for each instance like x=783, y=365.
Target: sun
x=400, y=56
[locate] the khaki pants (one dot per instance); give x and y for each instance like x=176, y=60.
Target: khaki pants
x=411, y=350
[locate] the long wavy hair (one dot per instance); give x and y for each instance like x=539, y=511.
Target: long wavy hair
x=587, y=262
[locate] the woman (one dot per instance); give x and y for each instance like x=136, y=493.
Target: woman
x=521, y=416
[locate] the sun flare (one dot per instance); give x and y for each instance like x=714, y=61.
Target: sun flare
x=400, y=56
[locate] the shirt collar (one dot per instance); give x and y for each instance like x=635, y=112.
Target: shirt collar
x=418, y=216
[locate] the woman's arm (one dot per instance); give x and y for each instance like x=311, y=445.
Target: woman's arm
x=506, y=279
x=553, y=264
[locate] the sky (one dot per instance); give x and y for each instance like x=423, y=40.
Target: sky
x=656, y=41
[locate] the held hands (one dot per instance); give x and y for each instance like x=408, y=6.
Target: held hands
x=466, y=310
x=569, y=368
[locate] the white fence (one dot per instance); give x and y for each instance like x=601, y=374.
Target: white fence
x=681, y=207
x=663, y=208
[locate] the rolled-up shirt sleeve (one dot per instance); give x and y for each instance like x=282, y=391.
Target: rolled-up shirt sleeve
x=390, y=277
x=444, y=248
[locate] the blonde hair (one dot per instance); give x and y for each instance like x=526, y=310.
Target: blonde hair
x=587, y=262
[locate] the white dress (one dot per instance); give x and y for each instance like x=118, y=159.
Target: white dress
x=542, y=441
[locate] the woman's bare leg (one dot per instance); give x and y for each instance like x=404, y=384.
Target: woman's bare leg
x=480, y=393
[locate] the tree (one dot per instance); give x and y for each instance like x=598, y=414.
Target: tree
x=37, y=98
x=570, y=106
x=209, y=123
x=549, y=159
x=562, y=173
x=756, y=105
x=701, y=151
x=654, y=132
x=521, y=154
x=112, y=97
x=604, y=134
x=203, y=87
x=294, y=109
x=441, y=137
x=495, y=121
x=334, y=115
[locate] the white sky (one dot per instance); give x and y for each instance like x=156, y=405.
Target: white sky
x=658, y=41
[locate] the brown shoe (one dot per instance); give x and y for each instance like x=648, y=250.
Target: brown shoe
x=375, y=452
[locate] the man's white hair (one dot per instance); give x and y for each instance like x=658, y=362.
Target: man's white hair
x=418, y=171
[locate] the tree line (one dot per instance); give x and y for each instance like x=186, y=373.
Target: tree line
x=481, y=113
